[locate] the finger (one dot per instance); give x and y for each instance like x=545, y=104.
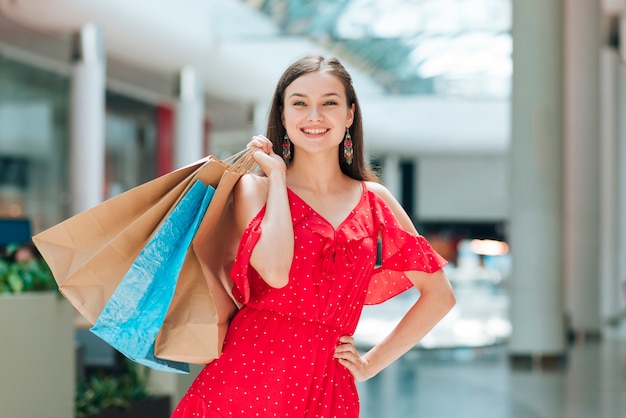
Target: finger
x=346, y=339
x=347, y=351
x=260, y=157
x=352, y=368
x=257, y=141
x=343, y=354
x=346, y=342
x=345, y=348
x=263, y=142
x=347, y=364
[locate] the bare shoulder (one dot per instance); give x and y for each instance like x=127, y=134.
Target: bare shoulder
x=252, y=184
x=249, y=196
x=395, y=206
x=381, y=191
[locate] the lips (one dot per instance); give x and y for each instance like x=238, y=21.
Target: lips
x=314, y=131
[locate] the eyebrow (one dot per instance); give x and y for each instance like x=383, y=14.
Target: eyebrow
x=323, y=95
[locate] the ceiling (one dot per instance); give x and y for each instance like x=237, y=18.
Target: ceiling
x=446, y=48
x=241, y=50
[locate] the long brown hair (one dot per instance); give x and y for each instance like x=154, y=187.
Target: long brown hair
x=359, y=169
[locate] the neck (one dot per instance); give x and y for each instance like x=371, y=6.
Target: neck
x=315, y=174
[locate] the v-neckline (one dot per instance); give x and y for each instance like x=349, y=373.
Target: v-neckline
x=345, y=219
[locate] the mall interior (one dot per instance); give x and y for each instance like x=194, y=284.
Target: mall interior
x=500, y=125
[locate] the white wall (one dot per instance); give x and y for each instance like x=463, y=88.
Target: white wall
x=435, y=125
x=462, y=188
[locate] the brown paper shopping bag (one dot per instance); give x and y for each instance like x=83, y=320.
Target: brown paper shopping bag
x=183, y=336
x=90, y=252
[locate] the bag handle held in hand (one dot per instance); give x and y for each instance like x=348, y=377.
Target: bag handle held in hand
x=242, y=162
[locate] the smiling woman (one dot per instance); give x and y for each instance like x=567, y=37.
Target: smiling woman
x=318, y=120
x=290, y=350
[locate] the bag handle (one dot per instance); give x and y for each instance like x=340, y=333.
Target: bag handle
x=242, y=162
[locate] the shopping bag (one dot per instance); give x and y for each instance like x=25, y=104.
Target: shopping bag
x=182, y=337
x=91, y=252
x=133, y=316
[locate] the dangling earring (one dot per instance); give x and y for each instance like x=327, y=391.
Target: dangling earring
x=286, y=149
x=348, y=151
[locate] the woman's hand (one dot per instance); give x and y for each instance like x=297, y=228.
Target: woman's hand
x=267, y=159
x=350, y=358
x=273, y=253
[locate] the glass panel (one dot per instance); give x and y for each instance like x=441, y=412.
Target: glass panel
x=460, y=48
x=34, y=144
x=130, y=144
x=33, y=141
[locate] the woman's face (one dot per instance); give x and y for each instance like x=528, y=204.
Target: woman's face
x=316, y=112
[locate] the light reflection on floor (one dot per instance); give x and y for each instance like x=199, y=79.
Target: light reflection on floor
x=479, y=383
x=480, y=317
x=461, y=368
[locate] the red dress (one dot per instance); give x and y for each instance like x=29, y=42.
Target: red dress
x=277, y=358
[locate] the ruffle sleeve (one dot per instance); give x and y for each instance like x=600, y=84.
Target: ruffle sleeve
x=401, y=251
x=240, y=272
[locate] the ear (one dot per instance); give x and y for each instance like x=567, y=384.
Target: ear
x=350, y=118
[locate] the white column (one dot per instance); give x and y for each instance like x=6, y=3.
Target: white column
x=609, y=191
x=621, y=181
x=536, y=205
x=391, y=175
x=260, y=113
x=189, y=119
x=582, y=43
x=87, y=116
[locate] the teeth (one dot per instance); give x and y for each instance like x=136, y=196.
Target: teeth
x=315, y=131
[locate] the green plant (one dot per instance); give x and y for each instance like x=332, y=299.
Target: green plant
x=101, y=391
x=18, y=275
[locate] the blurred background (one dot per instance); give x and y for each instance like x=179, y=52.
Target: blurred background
x=498, y=124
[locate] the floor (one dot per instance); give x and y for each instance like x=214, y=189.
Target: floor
x=477, y=381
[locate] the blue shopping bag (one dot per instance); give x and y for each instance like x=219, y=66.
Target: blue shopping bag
x=132, y=317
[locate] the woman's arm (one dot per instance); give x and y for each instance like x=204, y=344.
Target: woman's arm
x=435, y=301
x=273, y=253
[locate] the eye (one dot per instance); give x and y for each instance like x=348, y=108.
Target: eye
x=298, y=103
x=330, y=103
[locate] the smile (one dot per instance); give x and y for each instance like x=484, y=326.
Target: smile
x=315, y=131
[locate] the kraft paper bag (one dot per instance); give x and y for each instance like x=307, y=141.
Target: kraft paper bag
x=214, y=246
x=198, y=318
x=90, y=252
x=133, y=316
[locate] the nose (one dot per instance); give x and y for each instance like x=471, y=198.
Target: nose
x=315, y=113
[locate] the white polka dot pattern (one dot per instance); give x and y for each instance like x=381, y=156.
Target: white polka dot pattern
x=277, y=357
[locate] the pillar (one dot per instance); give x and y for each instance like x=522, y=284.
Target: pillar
x=581, y=165
x=538, y=337
x=189, y=118
x=259, y=115
x=610, y=295
x=391, y=175
x=87, y=118
x=621, y=180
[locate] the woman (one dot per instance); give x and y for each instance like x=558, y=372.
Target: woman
x=306, y=262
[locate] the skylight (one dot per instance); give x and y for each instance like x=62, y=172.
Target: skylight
x=452, y=48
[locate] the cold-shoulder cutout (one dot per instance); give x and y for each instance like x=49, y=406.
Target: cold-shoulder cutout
x=402, y=250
